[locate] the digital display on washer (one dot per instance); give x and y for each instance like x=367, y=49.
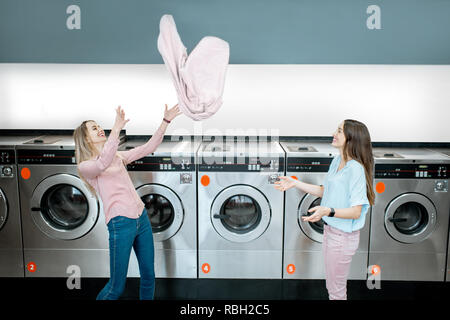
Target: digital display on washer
x=410, y=171
x=308, y=164
x=242, y=164
x=163, y=164
x=33, y=156
x=7, y=156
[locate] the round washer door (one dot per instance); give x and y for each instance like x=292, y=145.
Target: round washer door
x=3, y=209
x=240, y=213
x=410, y=218
x=63, y=208
x=313, y=230
x=165, y=210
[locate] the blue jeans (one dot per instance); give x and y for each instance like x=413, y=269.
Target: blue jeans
x=124, y=234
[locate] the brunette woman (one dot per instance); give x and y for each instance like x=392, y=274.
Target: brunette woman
x=347, y=194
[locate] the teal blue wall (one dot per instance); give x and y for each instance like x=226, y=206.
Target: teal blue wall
x=259, y=31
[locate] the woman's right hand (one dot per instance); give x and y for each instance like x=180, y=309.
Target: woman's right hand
x=120, y=119
x=284, y=184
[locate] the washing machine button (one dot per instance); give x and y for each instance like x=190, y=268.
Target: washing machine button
x=441, y=186
x=185, y=178
x=6, y=172
x=273, y=178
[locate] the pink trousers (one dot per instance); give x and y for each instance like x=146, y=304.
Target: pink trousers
x=338, y=249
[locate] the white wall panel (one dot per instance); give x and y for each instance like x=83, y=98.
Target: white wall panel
x=397, y=102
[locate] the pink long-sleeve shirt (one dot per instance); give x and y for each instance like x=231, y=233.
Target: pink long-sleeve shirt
x=109, y=177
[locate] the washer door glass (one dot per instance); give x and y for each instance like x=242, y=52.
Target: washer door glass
x=3, y=209
x=64, y=207
x=165, y=210
x=241, y=213
x=316, y=226
x=410, y=218
x=313, y=230
x=160, y=211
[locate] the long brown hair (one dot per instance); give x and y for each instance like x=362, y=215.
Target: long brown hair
x=83, y=149
x=358, y=146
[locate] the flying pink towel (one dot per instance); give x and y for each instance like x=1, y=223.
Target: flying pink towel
x=198, y=78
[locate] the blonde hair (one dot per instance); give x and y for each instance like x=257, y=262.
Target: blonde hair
x=83, y=149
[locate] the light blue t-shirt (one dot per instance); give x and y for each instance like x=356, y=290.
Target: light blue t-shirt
x=344, y=189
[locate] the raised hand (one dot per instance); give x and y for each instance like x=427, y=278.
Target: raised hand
x=171, y=113
x=120, y=119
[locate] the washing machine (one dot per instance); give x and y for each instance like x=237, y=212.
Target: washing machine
x=62, y=222
x=166, y=182
x=240, y=213
x=11, y=254
x=410, y=218
x=446, y=152
x=303, y=257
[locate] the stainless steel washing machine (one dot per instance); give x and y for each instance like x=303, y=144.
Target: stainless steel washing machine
x=410, y=218
x=240, y=213
x=303, y=257
x=62, y=222
x=166, y=182
x=446, y=152
x=11, y=249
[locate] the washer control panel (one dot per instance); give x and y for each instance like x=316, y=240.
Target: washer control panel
x=7, y=156
x=39, y=156
x=242, y=164
x=412, y=171
x=308, y=164
x=163, y=164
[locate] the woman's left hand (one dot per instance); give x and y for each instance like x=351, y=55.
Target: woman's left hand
x=171, y=113
x=319, y=212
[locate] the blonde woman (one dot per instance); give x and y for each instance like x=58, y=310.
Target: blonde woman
x=103, y=169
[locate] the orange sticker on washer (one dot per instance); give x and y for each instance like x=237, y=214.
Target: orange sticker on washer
x=25, y=173
x=206, y=268
x=205, y=180
x=31, y=267
x=375, y=269
x=290, y=268
x=380, y=187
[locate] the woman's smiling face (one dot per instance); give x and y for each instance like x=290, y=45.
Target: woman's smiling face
x=95, y=132
x=339, y=137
